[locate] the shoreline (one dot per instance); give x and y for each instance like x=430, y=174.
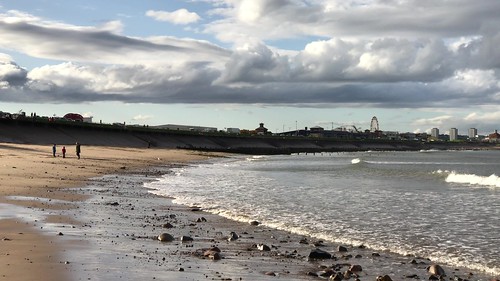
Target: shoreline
x=109, y=223
x=33, y=195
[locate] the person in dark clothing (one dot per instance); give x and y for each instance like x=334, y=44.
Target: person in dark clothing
x=78, y=150
x=64, y=151
x=54, y=150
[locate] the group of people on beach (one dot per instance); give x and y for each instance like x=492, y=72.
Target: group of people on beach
x=77, y=148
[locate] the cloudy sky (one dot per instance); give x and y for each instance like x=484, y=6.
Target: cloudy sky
x=415, y=64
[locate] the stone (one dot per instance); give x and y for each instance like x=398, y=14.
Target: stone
x=384, y=278
x=326, y=273
x=319, y=243
x=165, y=237
x=319, y=254
x=355, y=268
x=263, y=247
x=270, y=273
x=211, y=251
x=341, y=249
x=254, y=223
x=202, y=219
x=436, y=269
x=167, y=225
x=337, y=277
x=215, y=256
x=233, y=236
x=186, y=239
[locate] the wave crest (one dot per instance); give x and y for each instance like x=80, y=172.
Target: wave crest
x=355, y=161
x=471, y=179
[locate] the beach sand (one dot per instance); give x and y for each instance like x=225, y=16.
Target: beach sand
x=92, y=219
x=32, y=179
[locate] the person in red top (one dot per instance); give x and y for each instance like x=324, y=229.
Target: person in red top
x=64, y=151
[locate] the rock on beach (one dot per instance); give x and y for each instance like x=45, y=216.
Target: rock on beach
x=165, y=237
x=436, y=269
x=319, y=254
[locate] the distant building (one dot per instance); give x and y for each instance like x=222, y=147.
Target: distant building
x=233, y=130
x=87, y=119
x=374, y=125
x=316, y=131
x=261, y=130
x=495, y=137
x=453, y=134
x=73, y=117
x=391, y=135
x=185, y=128
x=472, y=134
x=435, y=133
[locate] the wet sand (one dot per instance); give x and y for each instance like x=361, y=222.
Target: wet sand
x=105, y=227
x=32, y=194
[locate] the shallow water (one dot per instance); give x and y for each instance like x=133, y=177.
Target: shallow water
x=442, y=205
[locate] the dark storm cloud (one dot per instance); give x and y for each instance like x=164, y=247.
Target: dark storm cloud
x=12, y=73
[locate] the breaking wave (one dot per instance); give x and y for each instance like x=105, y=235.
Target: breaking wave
x=355, y=161
x=471, y=179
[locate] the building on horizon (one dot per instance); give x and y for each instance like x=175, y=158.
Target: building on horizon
x=185, y=128
x=261, y=130
x=472, y=134
x=374, y=125
x=435, y=133
x=495, y=137
x=453, y=134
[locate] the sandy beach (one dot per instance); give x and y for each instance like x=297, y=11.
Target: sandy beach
x=92, y=219
x=32, y=178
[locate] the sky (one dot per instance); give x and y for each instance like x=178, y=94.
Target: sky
x=414, y=64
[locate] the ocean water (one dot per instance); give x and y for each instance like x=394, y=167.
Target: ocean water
x=442, y=205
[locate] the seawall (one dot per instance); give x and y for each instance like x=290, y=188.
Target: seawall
x=48, y=133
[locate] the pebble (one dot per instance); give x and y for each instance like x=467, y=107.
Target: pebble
x=165, y=237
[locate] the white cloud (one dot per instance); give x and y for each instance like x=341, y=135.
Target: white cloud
x=181, y=16
x=142, y=118
x=99, y=44
x=409, y=64
x=483, y=118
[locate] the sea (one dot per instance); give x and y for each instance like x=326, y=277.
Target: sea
x=441, y=205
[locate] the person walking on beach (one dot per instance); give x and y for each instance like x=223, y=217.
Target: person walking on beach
x=78, y=150
x=64, y=151
x=54, y=150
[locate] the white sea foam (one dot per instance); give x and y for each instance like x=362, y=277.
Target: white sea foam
x=428, y=150
x=224, y=187
x=356, y=161
x=491, y=181
x=256, y=158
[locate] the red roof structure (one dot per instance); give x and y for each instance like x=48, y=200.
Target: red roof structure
x=74, y=117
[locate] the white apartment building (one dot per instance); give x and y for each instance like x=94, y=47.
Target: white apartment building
x=453, y=134
x=435, y=133
x=472, y=133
